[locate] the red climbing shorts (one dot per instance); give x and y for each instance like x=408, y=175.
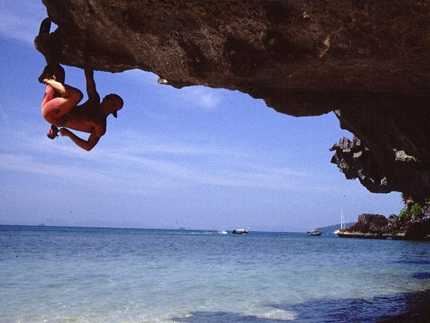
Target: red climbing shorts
x=51, y=108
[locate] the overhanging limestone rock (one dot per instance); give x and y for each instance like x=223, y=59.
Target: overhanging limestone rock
x=367, y=59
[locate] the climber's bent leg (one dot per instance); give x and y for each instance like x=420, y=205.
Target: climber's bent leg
x=54, y=108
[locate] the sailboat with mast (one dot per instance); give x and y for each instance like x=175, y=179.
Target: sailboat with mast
x=342, y=223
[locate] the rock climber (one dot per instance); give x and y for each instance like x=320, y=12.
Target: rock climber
x=60, y=105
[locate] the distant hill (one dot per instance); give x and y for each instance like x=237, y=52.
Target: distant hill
x=333, y=228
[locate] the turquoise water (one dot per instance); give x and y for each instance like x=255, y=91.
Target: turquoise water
x=55, y=274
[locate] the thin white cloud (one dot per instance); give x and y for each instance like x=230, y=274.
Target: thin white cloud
x=203, y=98
x=166, y=146
x=220, y=167
x=125, y=169
x=195, y=97
x=162, y=163
x=29, y=164
x=139, y=77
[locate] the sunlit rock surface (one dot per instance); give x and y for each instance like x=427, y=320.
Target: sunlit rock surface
x=366, y=59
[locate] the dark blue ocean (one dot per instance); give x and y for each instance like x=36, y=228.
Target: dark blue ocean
x=63, y=274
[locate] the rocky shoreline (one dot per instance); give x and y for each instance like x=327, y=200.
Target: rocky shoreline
x=377, y=226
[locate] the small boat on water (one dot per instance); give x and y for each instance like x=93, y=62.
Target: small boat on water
x=240, y=231
x=314, y=233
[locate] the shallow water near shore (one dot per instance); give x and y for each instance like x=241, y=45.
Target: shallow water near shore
x=58, y=274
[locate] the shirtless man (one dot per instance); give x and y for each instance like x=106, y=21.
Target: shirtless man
x=60, y=107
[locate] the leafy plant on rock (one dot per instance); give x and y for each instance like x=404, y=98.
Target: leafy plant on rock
x=404, y=215
x=416, y=210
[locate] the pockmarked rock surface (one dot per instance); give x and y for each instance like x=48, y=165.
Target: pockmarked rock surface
x=377, y=226
x=368, y=60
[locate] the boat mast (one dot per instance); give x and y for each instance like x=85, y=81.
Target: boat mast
x=342, y=220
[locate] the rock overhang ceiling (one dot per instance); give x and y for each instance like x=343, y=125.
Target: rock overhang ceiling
x=368, y=60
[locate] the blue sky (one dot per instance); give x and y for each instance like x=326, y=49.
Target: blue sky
x=197, y=158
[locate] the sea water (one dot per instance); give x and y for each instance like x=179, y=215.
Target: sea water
x=63, y=274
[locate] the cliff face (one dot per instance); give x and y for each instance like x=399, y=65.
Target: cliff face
x=366, y=59
x=377, y=226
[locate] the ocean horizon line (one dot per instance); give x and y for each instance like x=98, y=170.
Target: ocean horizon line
x=79, y=226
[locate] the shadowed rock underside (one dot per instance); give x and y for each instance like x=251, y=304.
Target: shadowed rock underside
x=368, y=60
